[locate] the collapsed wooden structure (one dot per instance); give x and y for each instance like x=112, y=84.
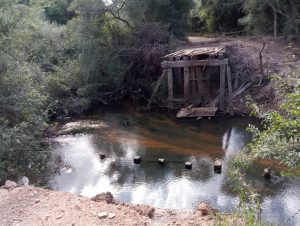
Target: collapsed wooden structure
x=197, y=78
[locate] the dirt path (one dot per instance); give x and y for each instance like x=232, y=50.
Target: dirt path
x=278, y=55
x=35, y=206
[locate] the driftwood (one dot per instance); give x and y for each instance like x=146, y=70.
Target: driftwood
x=196, y=112
x=240, y=90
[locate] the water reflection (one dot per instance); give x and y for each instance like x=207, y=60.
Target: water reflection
x=154, y=136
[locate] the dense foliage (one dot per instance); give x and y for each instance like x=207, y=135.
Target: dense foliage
x=28, y=54
x=280, y=137
x=246, y=16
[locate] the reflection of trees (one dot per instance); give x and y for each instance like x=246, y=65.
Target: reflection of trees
x=119, y=168
x=265, y=188
x=253, y=175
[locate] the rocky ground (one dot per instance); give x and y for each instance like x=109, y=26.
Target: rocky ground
x=27, y=205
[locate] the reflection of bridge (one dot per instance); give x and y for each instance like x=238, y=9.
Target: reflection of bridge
x=113, y=96
x=118, y=95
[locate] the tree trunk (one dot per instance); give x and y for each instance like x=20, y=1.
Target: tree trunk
x=275, y=23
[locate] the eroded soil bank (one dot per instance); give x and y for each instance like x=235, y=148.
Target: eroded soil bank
x=37, y=206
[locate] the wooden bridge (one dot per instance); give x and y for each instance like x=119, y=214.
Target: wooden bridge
x=197, y=77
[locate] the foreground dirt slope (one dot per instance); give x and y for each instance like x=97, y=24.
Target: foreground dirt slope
x=36, y=206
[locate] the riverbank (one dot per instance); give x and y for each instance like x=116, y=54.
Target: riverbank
x=29, y=205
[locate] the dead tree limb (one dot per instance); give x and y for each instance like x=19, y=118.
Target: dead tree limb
x=115, y=12
x=262, y=74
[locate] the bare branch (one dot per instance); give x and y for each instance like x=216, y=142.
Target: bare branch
x=115, y=13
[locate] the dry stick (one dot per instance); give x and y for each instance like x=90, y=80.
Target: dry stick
x=261, y=64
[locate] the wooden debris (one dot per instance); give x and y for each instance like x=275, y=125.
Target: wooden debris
x=240, y=90
x=197, y=112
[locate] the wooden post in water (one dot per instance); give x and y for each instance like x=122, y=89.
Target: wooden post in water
x=222, y=87
x=218, y=166
x=137, y=159
x=188, y=165
x=161, y=162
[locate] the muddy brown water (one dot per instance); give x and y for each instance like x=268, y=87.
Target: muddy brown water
x=153, y=136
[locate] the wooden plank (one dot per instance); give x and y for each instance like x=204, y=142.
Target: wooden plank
x=194, y=63
x=156, y=88
x=222, y=87
x=170, y=87
x=196, y=112
x=229, y=81
x=197, y=52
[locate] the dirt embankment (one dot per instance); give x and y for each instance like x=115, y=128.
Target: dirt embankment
x=28, y=205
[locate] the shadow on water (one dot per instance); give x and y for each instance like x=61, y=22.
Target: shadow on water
x=153, y=136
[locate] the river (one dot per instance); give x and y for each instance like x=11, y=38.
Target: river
x=156, y=135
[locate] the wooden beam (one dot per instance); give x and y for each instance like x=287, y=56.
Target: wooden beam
x=222, y=86
x=170, y=87
x=194, y=63
x=229, y=81
x=156, y=89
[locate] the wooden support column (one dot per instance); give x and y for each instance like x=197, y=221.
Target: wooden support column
x=186, y=81
x=170, y=88
x=200, y=85
x=222, y=86
x=229, y=81
x=156, y=88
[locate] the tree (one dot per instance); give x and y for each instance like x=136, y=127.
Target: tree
x=290, y=9
x=58, y=11
x=281, y=16
x=219, y=16
x=173, y=14
x=23, y=99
